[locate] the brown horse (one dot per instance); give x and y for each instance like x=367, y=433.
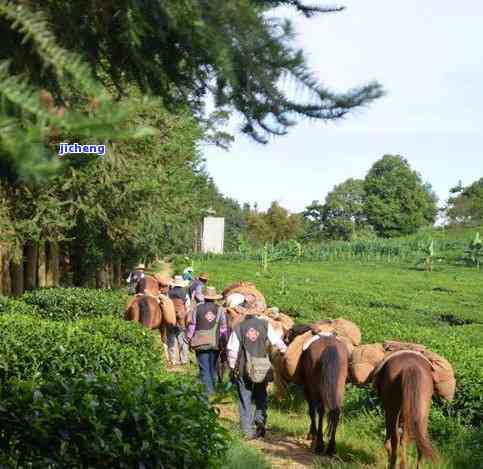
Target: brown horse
x=324, y=367
x=145, y=309
x=405, y=385
x=150, y=286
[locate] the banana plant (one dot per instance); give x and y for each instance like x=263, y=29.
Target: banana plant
x=265, y=257
x=475, y=251
x=429, y=256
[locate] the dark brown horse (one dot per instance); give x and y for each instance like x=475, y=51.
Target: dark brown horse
x=145, y=309
x=150, y=286
x=405, y=386
x=324, y=367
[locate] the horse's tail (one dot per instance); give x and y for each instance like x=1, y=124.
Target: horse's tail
x=330, y=362
x=413, y=418
x=145, y=311
x=141, y=285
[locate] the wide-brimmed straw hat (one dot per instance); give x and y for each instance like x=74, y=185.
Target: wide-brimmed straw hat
x=203, y=276
x=140, y=267
x=211, y=294
x=179, y=281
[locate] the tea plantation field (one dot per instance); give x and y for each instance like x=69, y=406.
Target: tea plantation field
x=441, y=309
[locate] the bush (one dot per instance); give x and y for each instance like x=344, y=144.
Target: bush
x=13, y=306
x=30, y=346
x=97, y=421
x=70, y=304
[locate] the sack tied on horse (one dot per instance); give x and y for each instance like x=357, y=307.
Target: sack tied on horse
x=244, y=289
x=345, y=331
x=367, y=360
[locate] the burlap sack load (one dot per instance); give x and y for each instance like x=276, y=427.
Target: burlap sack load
x=443, y=376
x=342, y=327
x=246, y=288
x=277, y=317
x=168, y=311
x=363, y=362
x=291, y=369
x=368, y=359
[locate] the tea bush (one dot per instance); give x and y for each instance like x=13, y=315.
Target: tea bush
x=13, y=306
x=32, y=346
x=68, y=304
x=99, y=421
x=388, y=303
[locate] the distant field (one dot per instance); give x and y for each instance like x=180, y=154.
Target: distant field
x=442, y=310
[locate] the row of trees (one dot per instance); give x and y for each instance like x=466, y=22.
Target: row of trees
x=133, y=75
x=392, y=200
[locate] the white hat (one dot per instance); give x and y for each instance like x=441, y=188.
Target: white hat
x=188, y=269
x=179, y=282
x=140, y=267
x=234, y=300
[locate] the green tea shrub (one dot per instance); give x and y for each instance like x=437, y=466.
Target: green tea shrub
x=13, y=306
x=68, y=304
x=31, y=346
x=101, y=421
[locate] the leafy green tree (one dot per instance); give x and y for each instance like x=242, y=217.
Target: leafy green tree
x=274, y=225
x=465, y=207
x=397, y=202
x=312, y=221
x=343, y=212
x=236, y=51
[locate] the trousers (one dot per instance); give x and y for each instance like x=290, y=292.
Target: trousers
x=249, y=392
x=207, y=364
x=177, y=345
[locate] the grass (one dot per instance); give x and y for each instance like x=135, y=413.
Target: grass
x=441, y=309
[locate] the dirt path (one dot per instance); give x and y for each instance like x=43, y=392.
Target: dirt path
x=282, y=451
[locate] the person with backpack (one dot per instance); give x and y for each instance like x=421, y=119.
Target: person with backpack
x=176, y=335
x=251, y=369
x=206, y=334
x=134, y=277
x=196, y=288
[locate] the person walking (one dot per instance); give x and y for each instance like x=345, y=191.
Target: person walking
x=206, y=332
x=134, y=277
x=188, y=274
x=251, y=368
x=176, y=335
x=196, y=288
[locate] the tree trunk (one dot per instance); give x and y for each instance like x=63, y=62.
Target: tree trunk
x=110, y=276
x=31, y=254
x=16, y=272
x=101, y=278
x=53, y=257
x=42, y=265
x=2, y=261
x=117, y=274
x=6, y=276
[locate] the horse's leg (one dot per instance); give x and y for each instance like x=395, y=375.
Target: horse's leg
x=319, y=447
x=333, y=417
x=420, y=457
x=392, y=429
x=403, y=443
x=313, y=428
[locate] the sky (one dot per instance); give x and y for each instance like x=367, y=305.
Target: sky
x=429, y=58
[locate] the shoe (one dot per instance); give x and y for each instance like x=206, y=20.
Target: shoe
x=261, y=430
